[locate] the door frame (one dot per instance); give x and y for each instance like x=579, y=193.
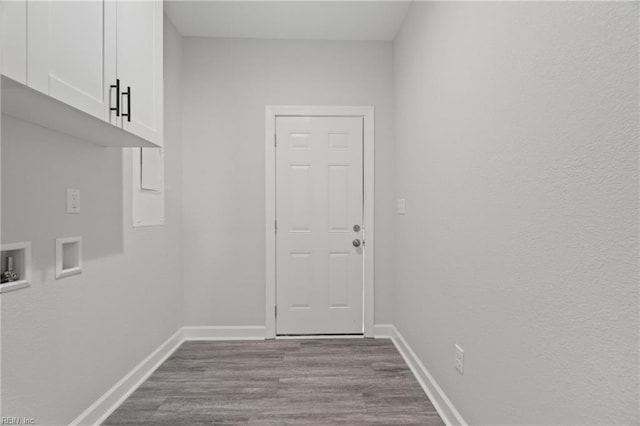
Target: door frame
x=367, y=114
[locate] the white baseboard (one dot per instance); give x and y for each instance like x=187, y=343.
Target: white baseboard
x=384, y=331
x=319, y=336
x=107, y=403
x=224, y=333
x=439, y=399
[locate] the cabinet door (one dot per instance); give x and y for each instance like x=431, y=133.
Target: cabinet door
x=139, y=66
x=66, y=53
x=14, y=40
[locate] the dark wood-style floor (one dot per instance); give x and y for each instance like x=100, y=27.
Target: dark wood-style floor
x=280, y=382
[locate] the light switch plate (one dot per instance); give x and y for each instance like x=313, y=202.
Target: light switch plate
x=73, y=201
x=401, y=206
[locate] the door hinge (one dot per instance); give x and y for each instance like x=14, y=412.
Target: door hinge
x=275, y=311
x=275, y=140
x=275, y=225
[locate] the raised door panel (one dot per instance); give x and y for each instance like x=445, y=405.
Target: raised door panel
x=338, y=193
x=339, y=280
x=14, y=40
x=300, y=279
x=139, y=67
x=66, y=52
x=300, y=192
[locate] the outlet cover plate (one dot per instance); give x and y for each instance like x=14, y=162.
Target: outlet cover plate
x=401, y=206
x=459, y=359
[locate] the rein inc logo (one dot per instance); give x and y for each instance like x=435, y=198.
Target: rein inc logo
x=17, y=421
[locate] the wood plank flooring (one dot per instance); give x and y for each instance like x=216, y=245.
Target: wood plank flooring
x=280, y=382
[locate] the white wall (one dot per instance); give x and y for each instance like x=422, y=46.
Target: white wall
x=227, y=84
x=1, y=12
x=517, y=152
x=65, y=342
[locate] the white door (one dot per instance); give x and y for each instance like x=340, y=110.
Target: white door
x=319, y=194
x=66, y=52
x=139, y=67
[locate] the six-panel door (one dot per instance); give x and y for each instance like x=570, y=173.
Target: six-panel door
x=319, y=195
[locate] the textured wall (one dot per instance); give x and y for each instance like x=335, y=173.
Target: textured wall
x=227, y=84
x=65, y=342
x=517, y=152
x=1, y=12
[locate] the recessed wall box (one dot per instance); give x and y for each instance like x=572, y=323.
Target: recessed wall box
x=68, y=256
x=15, y=264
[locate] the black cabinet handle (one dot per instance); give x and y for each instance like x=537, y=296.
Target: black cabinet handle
x=117, y=107
x=128, y=95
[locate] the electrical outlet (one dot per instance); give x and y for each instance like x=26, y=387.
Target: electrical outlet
x=401, y=206
x=458, y=359
x=73, y=201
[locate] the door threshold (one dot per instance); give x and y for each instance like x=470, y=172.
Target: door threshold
x=320, y=336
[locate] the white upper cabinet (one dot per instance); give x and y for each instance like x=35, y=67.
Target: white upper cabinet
x=14, y=39
x=100, y=57
x=139, y=41
x=66, y=53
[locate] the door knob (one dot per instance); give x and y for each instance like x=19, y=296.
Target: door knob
x=356, y=243
x=356, y=228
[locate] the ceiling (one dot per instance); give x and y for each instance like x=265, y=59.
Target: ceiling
x=296, y=20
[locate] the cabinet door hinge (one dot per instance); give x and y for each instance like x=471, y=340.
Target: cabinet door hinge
x=275, y=140
x=275, y=311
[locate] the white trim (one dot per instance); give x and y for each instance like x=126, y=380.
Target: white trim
x=270, y=220
x=24, y=268
x=369, y=223
x=385, y=331
x=223, y=333
x=321, y=336
x=17, y=285
x=107, y=403
x=367, y=113
x=114, y=397
x=436, y=395
x=77, y=267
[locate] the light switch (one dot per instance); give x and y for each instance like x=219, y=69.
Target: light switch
x=73, y=201
x=401, y=206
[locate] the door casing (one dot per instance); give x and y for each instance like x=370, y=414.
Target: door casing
x=271, y=113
